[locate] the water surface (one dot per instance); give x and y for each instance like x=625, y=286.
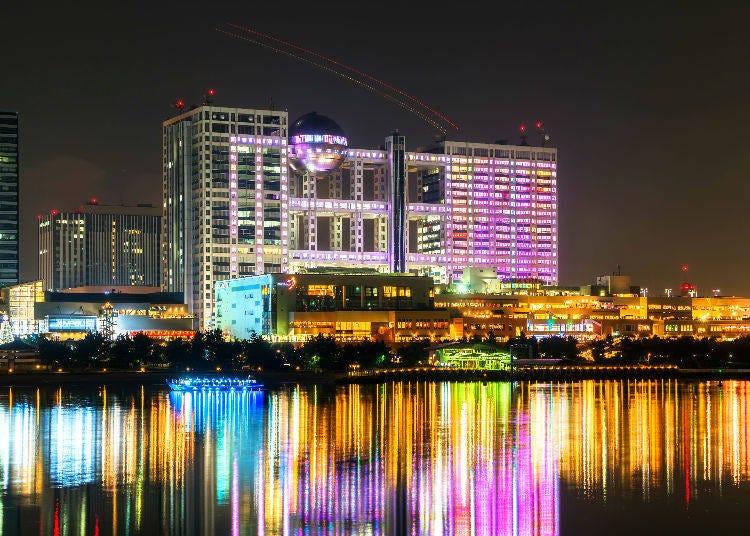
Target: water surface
x=615, y=457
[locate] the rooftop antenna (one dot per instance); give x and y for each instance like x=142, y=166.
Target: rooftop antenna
x=543, y=136
x=208, y=97
x=522, y=130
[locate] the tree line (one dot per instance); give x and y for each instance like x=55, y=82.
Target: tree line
x=209, y=350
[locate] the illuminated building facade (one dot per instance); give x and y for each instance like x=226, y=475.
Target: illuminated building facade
x=586, y=315
x=9, y=171
x=21, y=300
x=244, y=196
x=392, y=307
x=224, y=200
x=100, y=245
x=72, y=315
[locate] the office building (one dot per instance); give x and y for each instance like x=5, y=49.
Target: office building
x=295, y=307
x=100, y=245
x=9, y=173
x=244, y=196
x=222, y=215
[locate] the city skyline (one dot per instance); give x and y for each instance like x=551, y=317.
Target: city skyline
x=635, y=115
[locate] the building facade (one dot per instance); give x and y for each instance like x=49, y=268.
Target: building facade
x=9, y=172
x=71, y=315
x=246, y=195
x=561, y=312
x=100, y=245
x=294, y=307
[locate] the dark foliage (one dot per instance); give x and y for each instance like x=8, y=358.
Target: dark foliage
x=210, y=351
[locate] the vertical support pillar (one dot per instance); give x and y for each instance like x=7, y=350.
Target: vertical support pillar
x=381, y=233
x=310, y=192
x=381, y=193
x=395, y=145
x=356, y=227
x=335, y=191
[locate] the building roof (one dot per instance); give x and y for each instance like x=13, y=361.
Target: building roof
x=116, y=297
x=314, y=123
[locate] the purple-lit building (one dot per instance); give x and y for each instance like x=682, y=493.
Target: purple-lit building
x=246, y=193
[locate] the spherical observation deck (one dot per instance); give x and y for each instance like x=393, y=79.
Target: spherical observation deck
x=316, y=143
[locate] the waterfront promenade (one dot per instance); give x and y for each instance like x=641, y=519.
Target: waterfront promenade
x=276, y=378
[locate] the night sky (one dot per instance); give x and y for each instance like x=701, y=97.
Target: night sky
x=648, y=106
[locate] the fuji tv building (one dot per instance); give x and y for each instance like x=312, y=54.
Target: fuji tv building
x=245, y=193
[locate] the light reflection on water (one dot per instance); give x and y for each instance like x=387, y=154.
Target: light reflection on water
x=420, y=458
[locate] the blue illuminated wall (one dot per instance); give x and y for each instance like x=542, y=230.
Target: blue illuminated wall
x=244, y=306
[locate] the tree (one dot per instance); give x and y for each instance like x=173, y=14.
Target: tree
x=90, y=351
x=414, y=353
x=6, y=333
x=321, y=352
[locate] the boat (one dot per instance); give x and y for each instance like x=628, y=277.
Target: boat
x=214, y=383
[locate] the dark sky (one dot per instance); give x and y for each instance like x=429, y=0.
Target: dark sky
x=647, y=104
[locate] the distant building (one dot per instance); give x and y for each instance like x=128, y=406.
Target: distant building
x=100, y=245
x=348, y=307
x=9, y=172
x=71, y=315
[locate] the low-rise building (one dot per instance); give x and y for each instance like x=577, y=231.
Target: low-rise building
x=391, y=307
x=71, y=315
x=599, y=314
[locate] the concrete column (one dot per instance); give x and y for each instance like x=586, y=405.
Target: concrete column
x=310, y=192
x=336, y=230
x=356, y=227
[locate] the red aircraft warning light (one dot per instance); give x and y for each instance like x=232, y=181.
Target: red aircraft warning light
x=539, y=124
x=522, y=129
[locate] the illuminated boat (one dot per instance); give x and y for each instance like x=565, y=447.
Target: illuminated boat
x=214, y=383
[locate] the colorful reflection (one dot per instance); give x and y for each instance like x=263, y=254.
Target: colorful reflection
x=420, y=458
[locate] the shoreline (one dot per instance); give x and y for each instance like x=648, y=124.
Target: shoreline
x=277, y=379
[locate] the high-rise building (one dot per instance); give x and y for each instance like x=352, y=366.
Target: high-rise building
x=222, y=208
x=243, y=196
x=100, y=245
x=9, y=169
